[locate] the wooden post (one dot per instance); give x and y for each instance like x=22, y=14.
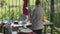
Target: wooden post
x=52, y=14
x=52, y=11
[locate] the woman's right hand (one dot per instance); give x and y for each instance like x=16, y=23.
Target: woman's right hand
x=31, y=20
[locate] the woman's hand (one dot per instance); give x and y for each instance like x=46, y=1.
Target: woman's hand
x=31, y=20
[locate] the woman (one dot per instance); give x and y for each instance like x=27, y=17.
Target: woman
x=37, y=18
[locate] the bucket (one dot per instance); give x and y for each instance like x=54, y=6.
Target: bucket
x=26, y=31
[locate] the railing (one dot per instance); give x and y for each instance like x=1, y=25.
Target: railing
x=56, y=30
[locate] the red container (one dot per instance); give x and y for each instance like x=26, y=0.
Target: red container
x=25, y=33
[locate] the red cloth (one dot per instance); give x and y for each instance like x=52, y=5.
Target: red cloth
x=25, y=11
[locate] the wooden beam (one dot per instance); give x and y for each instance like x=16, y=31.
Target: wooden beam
x=52, y=11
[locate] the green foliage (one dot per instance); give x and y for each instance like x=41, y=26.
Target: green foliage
x=46, y=4
x=14, y=13
x=57, y=13
x=8, y=12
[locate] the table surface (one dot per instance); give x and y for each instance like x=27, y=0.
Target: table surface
x=28, y=23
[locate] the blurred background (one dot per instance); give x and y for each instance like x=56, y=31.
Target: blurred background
x=13, y=9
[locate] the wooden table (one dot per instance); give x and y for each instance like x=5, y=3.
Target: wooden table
x=51, y=26
x=29, y=24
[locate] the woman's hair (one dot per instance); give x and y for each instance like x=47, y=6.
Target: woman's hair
x=37, y=2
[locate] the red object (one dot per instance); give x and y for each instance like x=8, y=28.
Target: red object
x=25, y=33
x=25, y=11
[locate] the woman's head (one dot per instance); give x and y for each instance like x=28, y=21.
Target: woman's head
x=37, y=2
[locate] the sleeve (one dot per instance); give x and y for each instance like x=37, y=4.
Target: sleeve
x=32, y=17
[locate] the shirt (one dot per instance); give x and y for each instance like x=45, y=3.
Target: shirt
x=37, y=16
